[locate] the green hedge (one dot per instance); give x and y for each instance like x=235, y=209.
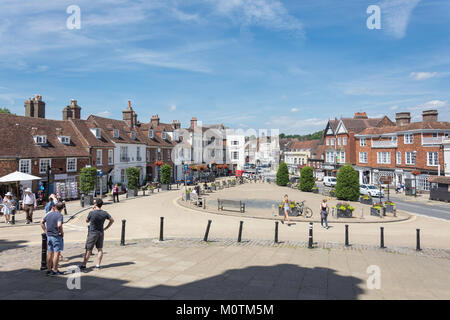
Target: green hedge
x=133, y=178
x=166, y=174
x=347, y=184
x=307, y=180
x=88, y=177
x=282, y=174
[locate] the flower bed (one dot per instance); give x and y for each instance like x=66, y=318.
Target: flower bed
x=390, y=207
x=315, y=190
x=365, y=199
x=344, y=210
x=378, y=209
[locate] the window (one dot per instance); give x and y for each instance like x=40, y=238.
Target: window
x=150, y=134
x=339, y=141
x=138, y=154
x=168, y=155
x=64, y=140
x=124, y=154
x=410, y=158
x=71, y=164
x=122, y=175
x=362, y=142
x=399, y=158
x=432, y=159
x=330, y=156
x=235, y=155
x=344, y=141
x=148, y=155
x=96, y=132
x=384, y=157
x=328, y=142
x=163, y=135
x=25, y=166
x=408, y=138
x=43, y=165
x=40, y=139
x=99, y=157
x=116, y=133
x=435, y=134
x=295, y=160
x=340, y=156
x=110, y=156
x=234, y=143
x=159, y=154
x=133, y=135
x=332, y=141
x=363, y=157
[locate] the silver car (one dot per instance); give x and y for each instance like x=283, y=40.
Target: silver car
x=370, y=190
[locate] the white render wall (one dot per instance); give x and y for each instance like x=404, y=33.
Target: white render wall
x=133, y=162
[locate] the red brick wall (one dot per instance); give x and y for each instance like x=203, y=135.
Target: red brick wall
x=8, y=166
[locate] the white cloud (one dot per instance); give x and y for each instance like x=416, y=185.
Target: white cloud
x=295, y=110
x=395, y=16
x=105, y=114
x=173, y=107
x=288, y=124
x=422, y=75
x=393, y=108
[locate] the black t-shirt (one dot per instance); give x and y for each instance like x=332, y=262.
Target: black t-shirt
x=97, y=220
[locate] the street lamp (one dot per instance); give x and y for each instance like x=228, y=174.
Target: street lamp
x=48, y=181
x=185, y=189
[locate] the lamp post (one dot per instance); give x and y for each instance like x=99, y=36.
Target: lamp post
x=184, y=174
x=415, y=174
x=48, y=181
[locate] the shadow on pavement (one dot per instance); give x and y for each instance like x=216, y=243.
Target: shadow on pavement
x=9, y=245
x=279, y=282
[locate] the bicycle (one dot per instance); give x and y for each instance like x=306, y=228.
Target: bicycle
x=303, y=210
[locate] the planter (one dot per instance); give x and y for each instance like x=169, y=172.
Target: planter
x=378, y=213
x=213, y=188
x=344, y=213
x=165, y=187
x=332, y=194
x=315, y=190
x=88, y=200
x=132, y=193
x=390, y=209
x=366, y=201
x=293, y=213
x=188, y=196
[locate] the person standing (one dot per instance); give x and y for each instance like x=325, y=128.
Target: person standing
x=324, y=210
x=7, y=207
x=52, y=201
x=115, y=192
x=29, y=204
x=287, y=209
x=52, y=224
x=95, y=237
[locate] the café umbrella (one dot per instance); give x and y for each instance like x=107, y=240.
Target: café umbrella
x=18, y=177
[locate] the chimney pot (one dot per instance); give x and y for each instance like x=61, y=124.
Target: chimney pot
x=402, y=118
x=430, y=116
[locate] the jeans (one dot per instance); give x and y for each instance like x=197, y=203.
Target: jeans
x=324, y=218
x=115, y=195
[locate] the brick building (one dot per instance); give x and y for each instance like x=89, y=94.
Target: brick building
x=403, y=148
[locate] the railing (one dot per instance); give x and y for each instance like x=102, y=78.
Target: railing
x=432, y=140
x=384, y=144
x=124, y=159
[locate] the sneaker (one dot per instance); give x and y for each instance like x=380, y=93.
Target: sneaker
x=82, y=267
x=28, y=222
x=48, y=272
x=57, y=273
x=97, y=267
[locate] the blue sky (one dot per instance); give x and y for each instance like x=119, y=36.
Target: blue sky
x=290, y=65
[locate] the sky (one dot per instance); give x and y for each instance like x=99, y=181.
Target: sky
x=289, y=65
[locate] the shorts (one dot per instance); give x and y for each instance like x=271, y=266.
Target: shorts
x=94, y=239
x=55, y=244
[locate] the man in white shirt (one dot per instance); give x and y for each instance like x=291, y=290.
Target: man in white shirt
x=29, y=204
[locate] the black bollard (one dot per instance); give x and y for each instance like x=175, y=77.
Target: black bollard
x=382, y=238
x=161, y=230
x=205, y=238
x=418, y=240
x=204, y=204
x=65, y=210
x=122, y=237
x=310, y=240
x=346, y=236
x=240, y=231
x=44, y=252
x=13, y=219
x=276, y=232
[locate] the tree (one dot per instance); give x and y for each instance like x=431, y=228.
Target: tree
x=307, y=180
x=5, y=110
x=166, y=174
x=132, y=178
x=282, y=174
x=88, y=177
x=347, y=184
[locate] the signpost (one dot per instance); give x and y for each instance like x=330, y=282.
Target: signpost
x=100, y=175
x=385, y=180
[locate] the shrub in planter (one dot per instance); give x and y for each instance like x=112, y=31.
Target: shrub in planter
x=166, y=176
x=213, y=186
x=292, y=205
x=347, y=184
x=133, y=181
x=378, y=209
x=366, y=199
x=344, y=210
x=307, y=180
x=315, y=190
x=88, y=177
x=332, y=193
x=390, y=206
x=282, y=175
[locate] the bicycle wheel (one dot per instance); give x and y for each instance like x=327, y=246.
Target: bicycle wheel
x=307, y=212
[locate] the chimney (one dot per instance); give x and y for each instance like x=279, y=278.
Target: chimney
x=193, y=122
x=135, y=118
x=35, y=107
x=402, y=118
x=360, y=115
x=155, y=120
x=128, y=115
x=430, y=116
x=176, y=124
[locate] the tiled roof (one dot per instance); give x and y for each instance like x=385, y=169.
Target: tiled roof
x=83, y=127
x=408, y=127
x=303, y=145
x=16, y=138
x=108, y=126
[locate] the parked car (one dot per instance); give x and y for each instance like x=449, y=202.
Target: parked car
x=329, y=181
x=370, y=190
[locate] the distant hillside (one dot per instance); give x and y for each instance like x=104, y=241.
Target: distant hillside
x=311, y=136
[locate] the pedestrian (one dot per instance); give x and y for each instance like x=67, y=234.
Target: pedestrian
x=95, y=237
x=29, y=204
x=115, y=192
x=52, y=201
x=287, y=209
x=7, y=206
x=52, y=224
x=324, y=210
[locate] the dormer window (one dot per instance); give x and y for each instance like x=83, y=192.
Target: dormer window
x=40, y=139
x=163, y=135
x=151, y=134
x=97, y=132
x=64, y=139
x=116, y=133
x=133, y=135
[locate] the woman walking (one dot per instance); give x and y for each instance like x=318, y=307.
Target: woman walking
x=287, y=209
x=324, y=210
x=115, y=192
x=7, y=206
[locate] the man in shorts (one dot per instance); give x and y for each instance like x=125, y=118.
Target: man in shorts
x=52, y=226
x=96, y=220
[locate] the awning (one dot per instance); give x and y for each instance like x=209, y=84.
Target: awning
x=18, y=176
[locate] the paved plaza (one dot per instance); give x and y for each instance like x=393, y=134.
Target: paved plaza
x=185, y=267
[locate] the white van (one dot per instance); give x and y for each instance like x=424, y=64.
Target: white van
x=329, y=181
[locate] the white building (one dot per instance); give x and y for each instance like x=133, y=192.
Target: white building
x=235, y=144
x=446, y=144
x=268, y=152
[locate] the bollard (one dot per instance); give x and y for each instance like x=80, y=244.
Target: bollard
x=333, y=214
x=204, y=204
x=310, y=240
x=207, y=231
x=276, y=232
x=382, y=238
x=13, y=218
x=44, y=252
x=240, y=231
x=161, y=230
x=65, y=210
x=362, y=214
x=122, y=237
x=418, y=240
x=346, y=236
